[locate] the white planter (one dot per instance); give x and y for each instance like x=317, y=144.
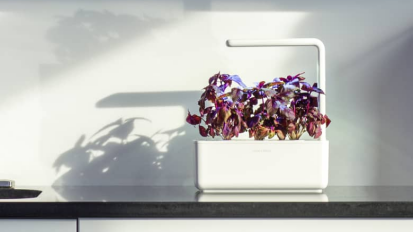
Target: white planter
x=262, y=165
x=300, y=166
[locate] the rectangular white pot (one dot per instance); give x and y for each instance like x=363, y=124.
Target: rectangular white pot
x=262, y=165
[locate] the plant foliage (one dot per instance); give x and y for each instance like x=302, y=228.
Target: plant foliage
x=284, y=107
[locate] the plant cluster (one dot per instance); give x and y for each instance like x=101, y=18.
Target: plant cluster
x=284, y=107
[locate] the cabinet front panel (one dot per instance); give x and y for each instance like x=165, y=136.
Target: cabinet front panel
x=37, y=225
x=245, y=225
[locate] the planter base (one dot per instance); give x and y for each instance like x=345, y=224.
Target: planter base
x=262, y=166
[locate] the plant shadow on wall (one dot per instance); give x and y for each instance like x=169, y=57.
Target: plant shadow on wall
x=117, y=154
x=113, y=148
x=87, y=34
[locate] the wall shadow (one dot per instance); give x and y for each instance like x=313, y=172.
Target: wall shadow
x=186, y=99
x=380, y=80
x=110, y=156
x=118, y=155
x=395, y=113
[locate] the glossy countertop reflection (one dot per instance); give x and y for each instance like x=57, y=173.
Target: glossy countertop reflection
x=191, y=194
x=188, y=202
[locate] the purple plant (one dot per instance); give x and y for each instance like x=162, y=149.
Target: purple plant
x=284, y=108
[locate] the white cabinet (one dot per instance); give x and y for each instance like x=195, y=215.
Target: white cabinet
x=245, y=225
x=37, y=225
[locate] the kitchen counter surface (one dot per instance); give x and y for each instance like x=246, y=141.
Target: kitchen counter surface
x=187, y=202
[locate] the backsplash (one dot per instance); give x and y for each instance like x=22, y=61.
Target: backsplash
x=96, y=92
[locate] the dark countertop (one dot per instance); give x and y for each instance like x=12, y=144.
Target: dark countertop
x=187, y=202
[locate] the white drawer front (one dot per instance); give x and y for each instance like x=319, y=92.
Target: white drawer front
x=37, y=225
x=245, y=225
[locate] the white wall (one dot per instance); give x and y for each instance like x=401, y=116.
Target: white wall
x=69, y=68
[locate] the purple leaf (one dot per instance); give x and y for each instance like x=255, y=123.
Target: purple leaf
x=323, y=119
x=219, y=103
x=240, y=107
x=273, y=84
x=213, y=79
x=318, y=132
x=253, y=101
x=286, y=94
x=271, y=107
x=201, y=102
x=316, y=89
x=211, y=132
x=313, y=101
x=290, y=87
x=295, y=82
x=310, y=129
x=291, y=127
x=238, y=80
x=208, y=110
x=235, y=131
x=223, y=115
x=251, y=122
x=226, y=131
x=205, y=111
x=224, y=77
x=236, y=94
x=210, y=117
x=328, y=121
x=260, y=84
x=223, y=87
x=218, y=91
x=202, y=131
x=261, y=133
x=259, y=94
x=193, y=119
x=269, y=92
x=245, y=96
x=299, y=76
x=287, y=112
x=306, y=87
x=277, y=79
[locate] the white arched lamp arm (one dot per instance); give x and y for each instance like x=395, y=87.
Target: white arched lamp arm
x=321, y=65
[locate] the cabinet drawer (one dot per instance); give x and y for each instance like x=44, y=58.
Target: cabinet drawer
x=245, y=225
x=37, y=225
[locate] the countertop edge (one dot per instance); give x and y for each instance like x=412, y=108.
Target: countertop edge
x=69, y=210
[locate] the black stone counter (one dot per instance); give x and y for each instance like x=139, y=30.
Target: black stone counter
x=187, y=202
